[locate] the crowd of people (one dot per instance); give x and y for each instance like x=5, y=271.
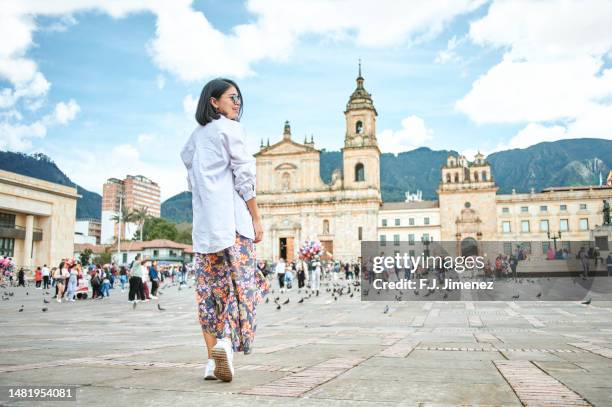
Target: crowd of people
x=73, y=281
x=308, y=273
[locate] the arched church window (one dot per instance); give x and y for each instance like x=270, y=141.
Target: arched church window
x=359, y=127
x=456, y=177
x=484, y=175
x=476, y=176
x=325, y=227
x=448, y=177
x=359, y=172
x=286, y=181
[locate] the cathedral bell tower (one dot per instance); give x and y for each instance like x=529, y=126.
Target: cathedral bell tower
x=361, y=155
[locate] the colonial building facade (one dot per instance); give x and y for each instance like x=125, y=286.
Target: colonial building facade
x=470, y=210
x=296, y=204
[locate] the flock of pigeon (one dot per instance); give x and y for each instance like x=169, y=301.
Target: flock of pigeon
x=7, y=295
x=334, y=290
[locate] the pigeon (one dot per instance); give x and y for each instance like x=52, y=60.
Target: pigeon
x=286, y=302
x=335, y=298
x=46, y=292
x=587, y=302
x=301, y=300
x=27, y=293
x=351, y=295
x=11, y=294
x=21, y=309
x=539, y=294
x=386, y=309
x=267, y=300
x=515, y=296
x=5, y=298
x=45, y=309
x=46, y=301
x=278, y=307
x=159, y=307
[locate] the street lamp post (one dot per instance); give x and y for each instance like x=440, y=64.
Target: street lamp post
x=554, y=238
x=119, y=231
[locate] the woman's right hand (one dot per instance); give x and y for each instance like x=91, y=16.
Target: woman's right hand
x=258, y=231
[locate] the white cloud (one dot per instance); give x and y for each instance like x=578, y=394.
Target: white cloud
x=534, y=133
x=189, y=105
x=160, y=81
x=188, y=46
x=552, y=76
x=145, y=138
x=66, y=112
x=413, y=134
x=450, y=54
x=125, y=152
x=17, y=136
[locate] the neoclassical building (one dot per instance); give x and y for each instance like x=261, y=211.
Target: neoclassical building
x=36, y=220
x=296, y=204
x=469, y=210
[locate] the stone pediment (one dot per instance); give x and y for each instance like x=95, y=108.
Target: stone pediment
x=286, y=166
x=285, y=147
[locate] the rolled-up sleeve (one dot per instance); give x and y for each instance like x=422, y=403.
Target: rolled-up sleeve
x=241, y=162
x=187, y=155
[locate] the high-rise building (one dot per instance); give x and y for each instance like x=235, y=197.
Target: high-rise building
x=136, y=192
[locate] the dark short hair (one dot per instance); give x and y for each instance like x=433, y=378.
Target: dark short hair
x=205, y=113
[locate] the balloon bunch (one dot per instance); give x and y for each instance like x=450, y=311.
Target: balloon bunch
x=311, y=249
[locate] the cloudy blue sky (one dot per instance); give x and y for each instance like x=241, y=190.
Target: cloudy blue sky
x=108, y=87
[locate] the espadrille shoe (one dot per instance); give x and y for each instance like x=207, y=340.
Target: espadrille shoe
x=223, y=355
x=209, y=373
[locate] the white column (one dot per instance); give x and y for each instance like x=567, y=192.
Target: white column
x=29, y=235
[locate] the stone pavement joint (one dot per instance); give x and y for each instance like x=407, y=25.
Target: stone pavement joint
x=598, y=350
x=399, y=350
x=536, y=388
x=296, y=384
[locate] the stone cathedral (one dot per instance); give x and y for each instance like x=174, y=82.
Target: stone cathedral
x=295, y=203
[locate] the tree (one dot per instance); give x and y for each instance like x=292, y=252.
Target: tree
x=85, y=256
x=126, y=217
x=159, y=228
x=103, y=258
x=184, y=236
x=140, y=216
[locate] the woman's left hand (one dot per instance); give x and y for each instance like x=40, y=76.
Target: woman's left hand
x=258, y=231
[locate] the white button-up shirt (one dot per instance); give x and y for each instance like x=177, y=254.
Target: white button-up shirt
x=221, y=178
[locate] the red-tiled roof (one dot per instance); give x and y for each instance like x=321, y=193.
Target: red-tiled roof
x=97, y=249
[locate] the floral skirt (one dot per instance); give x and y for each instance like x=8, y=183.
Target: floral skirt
x=228, y=289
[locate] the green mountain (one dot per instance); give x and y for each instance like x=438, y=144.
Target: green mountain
x=558, y=163
x=42, y=167
x=177, y=208
x=552, y=164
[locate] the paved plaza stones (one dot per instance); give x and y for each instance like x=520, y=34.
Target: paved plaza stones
x=319, y=353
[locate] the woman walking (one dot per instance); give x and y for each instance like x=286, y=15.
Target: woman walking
x=59, y=276
x=72, y=283
x=226, y=224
